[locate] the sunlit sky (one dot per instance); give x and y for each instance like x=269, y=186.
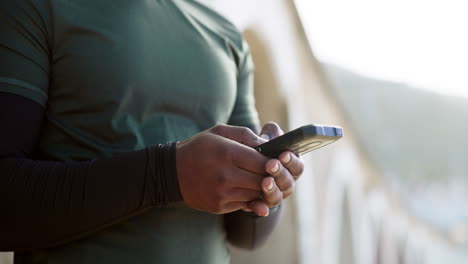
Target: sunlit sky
x=420, y=42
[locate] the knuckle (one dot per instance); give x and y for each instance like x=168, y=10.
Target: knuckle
x=272, y=129
x=279, y=172
x=246, y=132
x=215, y=129
x=271, y=125
x=288, y=192
x=218, y=129
x=274, y=197
x=221, y=181
x=278, y=197
x=278, y=201
x=295, y=166
x=287, y=183
x=282, y=172
x=293, y=161
x=274, y=202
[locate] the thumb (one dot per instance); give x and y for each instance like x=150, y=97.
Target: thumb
x=241, y=135
x=271, y=130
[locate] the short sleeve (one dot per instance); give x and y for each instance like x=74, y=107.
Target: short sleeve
x=25, y=49
x=244, y=112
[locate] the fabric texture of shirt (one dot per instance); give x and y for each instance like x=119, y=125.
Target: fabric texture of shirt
x=117, y=76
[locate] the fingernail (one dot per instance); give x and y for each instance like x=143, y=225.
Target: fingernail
x=275, y=168
x=286, y=158
x=270, y=186
x=265, y=136
x=267, y=213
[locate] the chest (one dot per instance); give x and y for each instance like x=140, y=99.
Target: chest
x=140, y=58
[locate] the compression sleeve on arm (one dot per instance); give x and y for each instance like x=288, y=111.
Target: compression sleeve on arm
x=249, y=231
x=46, y=203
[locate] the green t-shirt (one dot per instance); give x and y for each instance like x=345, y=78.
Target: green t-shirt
x=121, y=75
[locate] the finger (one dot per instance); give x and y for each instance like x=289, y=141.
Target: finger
x=284, y=180
x=241, y=178
x=248, y=159
x=241, y=135
x=259, y=208
x=272, y=195
x=242, y=195
x=292, y=163
x=271, y=130
x=286, y=193
x=234, y=206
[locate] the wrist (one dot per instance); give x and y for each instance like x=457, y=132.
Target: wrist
x=167, y=188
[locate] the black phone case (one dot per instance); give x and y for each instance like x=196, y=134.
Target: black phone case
x=301, y=140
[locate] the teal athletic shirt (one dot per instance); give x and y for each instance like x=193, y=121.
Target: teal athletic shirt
x=121, y=75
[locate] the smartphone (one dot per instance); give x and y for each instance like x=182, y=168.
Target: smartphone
x=301, y=140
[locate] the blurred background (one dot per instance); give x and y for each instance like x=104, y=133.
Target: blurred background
x=394, y=190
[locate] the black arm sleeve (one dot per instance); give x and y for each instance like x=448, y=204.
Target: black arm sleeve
x=249, y=231
x=46, y=203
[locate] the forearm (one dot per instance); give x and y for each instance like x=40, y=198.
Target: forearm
x=249, y=231
x=45, y=203
x=48, y=203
